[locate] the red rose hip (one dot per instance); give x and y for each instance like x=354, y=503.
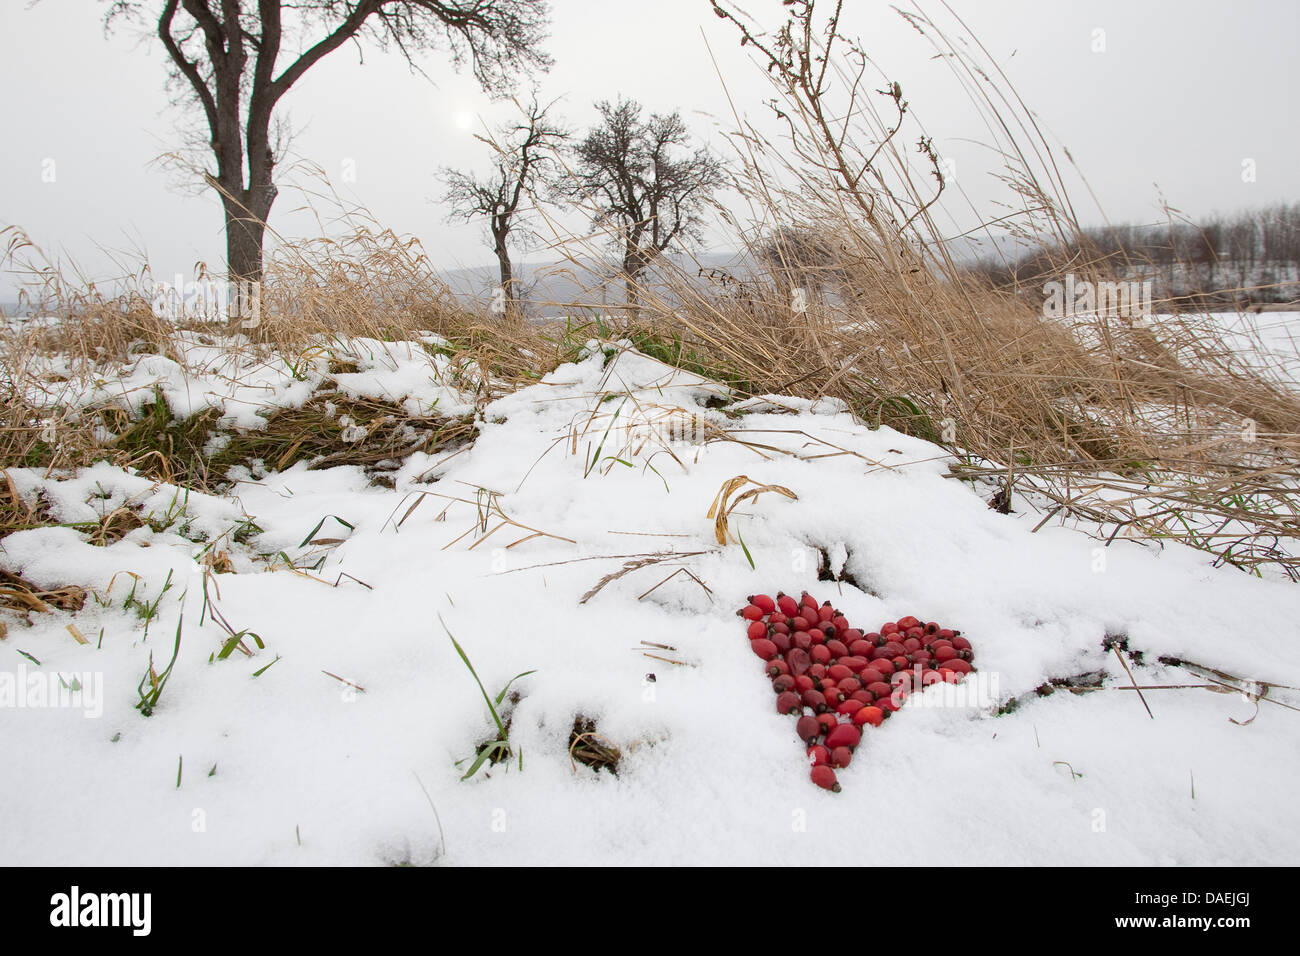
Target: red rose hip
x=843, y=735
x=808, y=729
x=824, y=777
x=813, y=699
x=869, y=715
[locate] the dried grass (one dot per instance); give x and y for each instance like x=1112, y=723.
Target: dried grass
x=722, y=507
x=588, y=747
x=19, y=594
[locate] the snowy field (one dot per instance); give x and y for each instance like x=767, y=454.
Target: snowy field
x=337, y=740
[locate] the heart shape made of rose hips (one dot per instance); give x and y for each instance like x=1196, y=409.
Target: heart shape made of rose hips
x=837, y=679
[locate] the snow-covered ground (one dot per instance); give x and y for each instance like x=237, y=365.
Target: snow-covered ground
x=1275, y=334
x=337, y=742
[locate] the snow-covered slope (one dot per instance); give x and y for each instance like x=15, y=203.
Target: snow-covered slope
x=339, y=751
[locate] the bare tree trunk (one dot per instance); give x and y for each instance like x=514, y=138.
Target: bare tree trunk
x=631, y=296
x=243, y=245
x=246, y=217
x=507, y=273
x=633, y=263
x=508, y=284
x=513, y=309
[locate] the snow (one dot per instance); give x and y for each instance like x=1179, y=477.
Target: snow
x=246, y=388
x=313, y=769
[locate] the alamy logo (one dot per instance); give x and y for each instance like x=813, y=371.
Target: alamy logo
x=979, y=690
x=1072, y=297
x=207, y=300
x=38, y=690
x=662, y=426
x=102, y=909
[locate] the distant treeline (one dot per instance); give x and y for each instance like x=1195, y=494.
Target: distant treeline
x=1252, y=257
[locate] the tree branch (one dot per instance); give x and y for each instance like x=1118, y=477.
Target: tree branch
x=345, y=31
x=188, y=69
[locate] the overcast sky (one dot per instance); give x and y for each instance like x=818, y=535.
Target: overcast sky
x=1180, y=94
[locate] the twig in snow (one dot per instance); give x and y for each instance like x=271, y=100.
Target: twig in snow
x=1115, y=648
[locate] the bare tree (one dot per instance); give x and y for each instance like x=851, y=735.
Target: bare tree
x=227, y=53
x=525, y=156
x=626, y=167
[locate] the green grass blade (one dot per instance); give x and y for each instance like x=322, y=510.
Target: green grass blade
x=595, y=458
x=496, y=751
x=748, y=557
x=320, y=524
x=482, y=690
x=478, y=762
x=502, y=696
